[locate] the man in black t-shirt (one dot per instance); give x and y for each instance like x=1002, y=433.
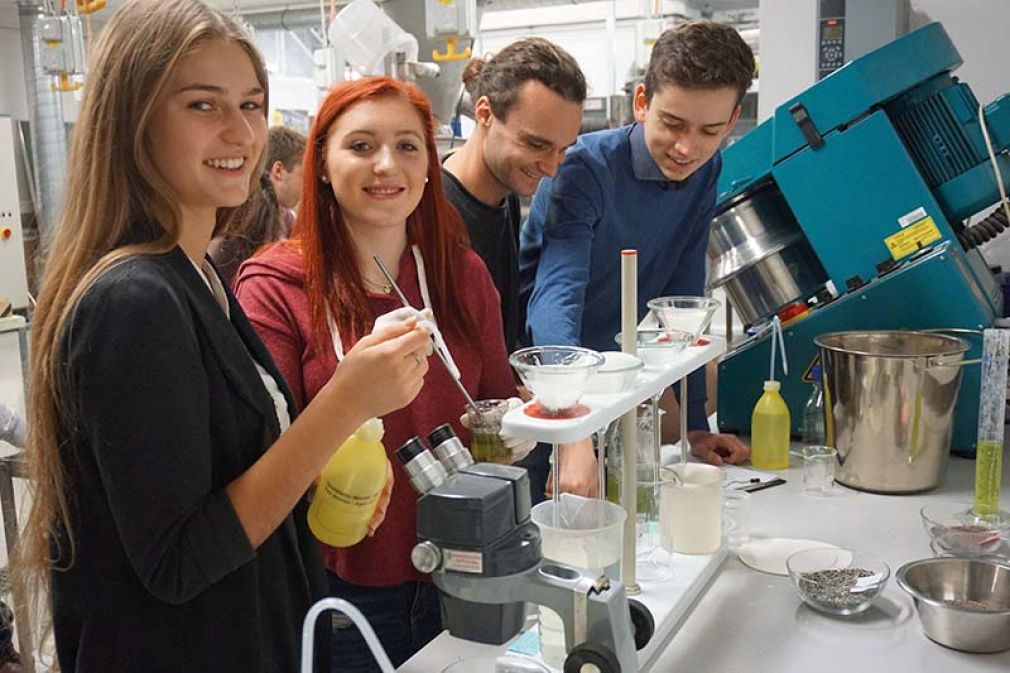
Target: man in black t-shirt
x=528, y=108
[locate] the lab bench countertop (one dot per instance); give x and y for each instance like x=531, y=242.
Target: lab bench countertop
x=749, y=622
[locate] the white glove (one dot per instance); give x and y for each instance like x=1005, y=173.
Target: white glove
x=425, y=320
x=519, y=448
x=13, y=428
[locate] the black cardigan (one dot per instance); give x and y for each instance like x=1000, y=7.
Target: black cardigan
x=167, y=408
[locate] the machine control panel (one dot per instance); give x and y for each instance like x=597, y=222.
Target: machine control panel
x=830, y=37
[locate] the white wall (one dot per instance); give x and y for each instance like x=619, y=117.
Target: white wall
x=786, y=47
x=12, y=79
x=980, y=30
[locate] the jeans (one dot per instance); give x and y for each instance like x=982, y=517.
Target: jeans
x=405, y=617
x=538, y=466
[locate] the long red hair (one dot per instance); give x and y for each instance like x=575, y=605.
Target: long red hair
x=332, y=278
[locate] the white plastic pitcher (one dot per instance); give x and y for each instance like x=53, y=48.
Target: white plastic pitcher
x=587, y=534
x=365, y=34
x=690, y=508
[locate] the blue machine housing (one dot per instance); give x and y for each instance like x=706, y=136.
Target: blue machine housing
x=890, y=143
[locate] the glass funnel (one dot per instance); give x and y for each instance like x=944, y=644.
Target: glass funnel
x=684, y=314
x=556, y=375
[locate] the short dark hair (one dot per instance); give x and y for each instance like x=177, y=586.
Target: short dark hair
x=499, y=77
x=286, y=146
x=700, y=55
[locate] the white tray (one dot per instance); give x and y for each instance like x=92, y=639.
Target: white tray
x=605, y=408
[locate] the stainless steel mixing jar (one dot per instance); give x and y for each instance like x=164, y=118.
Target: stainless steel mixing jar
x=758, y=251
x=889, y=400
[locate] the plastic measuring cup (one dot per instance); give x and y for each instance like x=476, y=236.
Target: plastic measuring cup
x=587, y=535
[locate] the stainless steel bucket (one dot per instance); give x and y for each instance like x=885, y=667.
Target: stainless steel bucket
x=889, y=400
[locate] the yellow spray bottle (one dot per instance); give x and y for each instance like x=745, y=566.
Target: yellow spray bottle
x=349, y=487
x=770, y=421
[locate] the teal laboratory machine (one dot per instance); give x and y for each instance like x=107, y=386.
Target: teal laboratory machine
x=849, y=209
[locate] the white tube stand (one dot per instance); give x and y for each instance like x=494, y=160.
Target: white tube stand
x=629, y=422
x=340, y=605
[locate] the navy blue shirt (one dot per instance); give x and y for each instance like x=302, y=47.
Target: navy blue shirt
x=610, y=195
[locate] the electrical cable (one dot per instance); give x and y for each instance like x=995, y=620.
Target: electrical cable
x=997, y=222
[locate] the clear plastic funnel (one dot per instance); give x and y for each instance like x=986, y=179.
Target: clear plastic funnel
x=557, y=375
x=684, y=314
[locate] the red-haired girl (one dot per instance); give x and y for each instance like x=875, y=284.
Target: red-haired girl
x=372, y=186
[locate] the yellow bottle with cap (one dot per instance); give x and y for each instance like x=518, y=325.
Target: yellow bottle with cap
x=770, y=430
x=349, y=487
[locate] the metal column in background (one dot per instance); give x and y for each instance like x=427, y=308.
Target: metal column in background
x=49, y=140
x=11, y=468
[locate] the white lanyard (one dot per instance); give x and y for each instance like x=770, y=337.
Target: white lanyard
x=422, y=281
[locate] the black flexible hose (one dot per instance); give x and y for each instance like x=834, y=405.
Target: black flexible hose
x=983, y=231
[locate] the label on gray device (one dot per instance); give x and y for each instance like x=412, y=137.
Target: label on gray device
x=463, y=561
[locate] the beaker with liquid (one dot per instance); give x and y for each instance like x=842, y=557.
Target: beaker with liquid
x=484, y=422
x=581, y=532
x=653, y=562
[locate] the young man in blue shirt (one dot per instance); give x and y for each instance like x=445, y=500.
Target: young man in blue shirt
x=650, y=186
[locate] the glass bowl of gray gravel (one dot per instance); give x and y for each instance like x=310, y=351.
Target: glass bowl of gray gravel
x=837, y=581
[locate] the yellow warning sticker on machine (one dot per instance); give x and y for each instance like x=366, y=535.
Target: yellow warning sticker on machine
x=912, y=238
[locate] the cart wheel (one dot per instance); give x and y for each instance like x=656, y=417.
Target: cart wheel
x=642, y=623
x=591, y=658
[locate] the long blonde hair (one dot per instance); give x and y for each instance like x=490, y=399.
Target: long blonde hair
x=112, y=190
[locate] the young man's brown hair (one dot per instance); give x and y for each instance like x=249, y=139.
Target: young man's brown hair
x=700, y=55
x=500, y=77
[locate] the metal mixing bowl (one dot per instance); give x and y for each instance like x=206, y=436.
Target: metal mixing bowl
x=963, y=603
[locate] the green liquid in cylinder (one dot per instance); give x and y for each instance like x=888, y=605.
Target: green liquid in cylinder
x=988, y=469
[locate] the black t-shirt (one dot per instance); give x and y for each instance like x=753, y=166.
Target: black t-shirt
x=494, y=235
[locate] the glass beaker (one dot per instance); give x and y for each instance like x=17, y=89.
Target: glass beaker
x=736, y=518
x=652, y=561
x=485, y=425
x=819, y=469
x=587, y=534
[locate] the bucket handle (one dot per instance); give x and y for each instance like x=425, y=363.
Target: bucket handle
x=938, y=361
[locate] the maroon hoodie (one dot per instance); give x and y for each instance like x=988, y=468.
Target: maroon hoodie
x=271, y=289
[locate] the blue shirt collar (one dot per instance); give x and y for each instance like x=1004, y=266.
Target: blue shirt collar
x=643, y=165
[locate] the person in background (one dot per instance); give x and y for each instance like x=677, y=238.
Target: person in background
x=284, y=163
x=269, y=213
x=168, y=522
x=650, y=186
x=527, y=108
x=373, y=188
